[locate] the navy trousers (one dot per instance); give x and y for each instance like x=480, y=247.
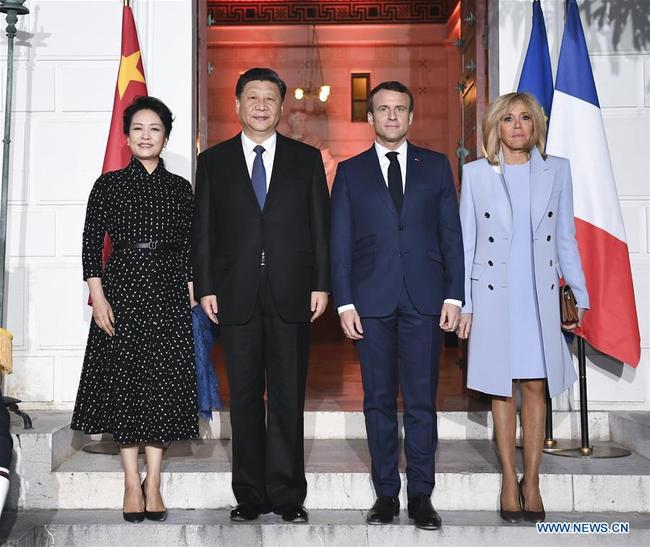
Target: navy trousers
x=402, y=349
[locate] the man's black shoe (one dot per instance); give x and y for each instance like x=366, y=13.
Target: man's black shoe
x=423, y=514
x=247, y=511
x=292, y=512
x=383, y=511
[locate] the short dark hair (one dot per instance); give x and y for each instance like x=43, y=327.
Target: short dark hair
x=389, y=86
x=148, y=103
x=262, y=75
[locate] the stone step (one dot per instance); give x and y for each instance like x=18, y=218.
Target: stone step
x=196, y=475
x=451, y=425
x=325, y=528
x=332, y=425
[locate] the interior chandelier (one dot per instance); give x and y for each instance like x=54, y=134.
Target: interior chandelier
x=315, y=75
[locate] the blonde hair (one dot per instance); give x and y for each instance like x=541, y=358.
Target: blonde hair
x=498, y=110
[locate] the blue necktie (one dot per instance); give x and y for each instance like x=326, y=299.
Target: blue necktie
x=258, y=176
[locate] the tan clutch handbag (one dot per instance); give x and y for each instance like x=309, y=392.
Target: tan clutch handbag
x=568, y=306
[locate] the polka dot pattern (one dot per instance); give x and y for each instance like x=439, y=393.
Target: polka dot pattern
x=140, y=384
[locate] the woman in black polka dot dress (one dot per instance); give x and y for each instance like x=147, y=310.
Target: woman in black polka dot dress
x=138, y=380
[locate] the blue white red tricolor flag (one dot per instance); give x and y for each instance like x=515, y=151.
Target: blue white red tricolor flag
x=577, y=132
x=536, y=75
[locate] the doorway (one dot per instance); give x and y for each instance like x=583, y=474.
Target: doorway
x=310, y=46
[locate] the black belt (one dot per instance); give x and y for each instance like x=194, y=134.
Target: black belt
x=153, y=245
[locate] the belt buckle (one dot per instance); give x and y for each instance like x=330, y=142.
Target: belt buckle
x=153, y=245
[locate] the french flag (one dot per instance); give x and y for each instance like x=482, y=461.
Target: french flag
x=577, y=132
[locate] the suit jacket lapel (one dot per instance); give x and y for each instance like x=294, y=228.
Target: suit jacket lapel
x=240, y=170
x=377, y=179
x=541, y=186
x=503, y=206
x=281, y=163
x=413, y=167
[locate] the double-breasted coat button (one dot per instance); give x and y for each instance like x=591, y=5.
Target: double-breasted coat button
x=490, y=287
x=487, y=215
x=490, y=263
x=550, y=262
x=550, y=214
x=552, y=286
x=491, y=239
x=548, y=238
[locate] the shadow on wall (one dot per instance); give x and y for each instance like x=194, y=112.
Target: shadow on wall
x=628, y=21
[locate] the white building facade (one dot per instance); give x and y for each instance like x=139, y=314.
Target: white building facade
x=67, y=55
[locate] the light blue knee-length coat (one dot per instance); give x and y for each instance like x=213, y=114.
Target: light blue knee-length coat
x=486, y=218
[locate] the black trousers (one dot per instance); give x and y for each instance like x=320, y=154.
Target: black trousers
x=267, y=455
x=6, y=443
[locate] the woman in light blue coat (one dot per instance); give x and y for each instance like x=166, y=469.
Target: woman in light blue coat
x=516, y=211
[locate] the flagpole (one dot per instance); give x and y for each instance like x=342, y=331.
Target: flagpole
x=13, y=8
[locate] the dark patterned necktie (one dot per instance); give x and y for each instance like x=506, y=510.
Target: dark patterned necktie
x=395, y=187
x=258, y=176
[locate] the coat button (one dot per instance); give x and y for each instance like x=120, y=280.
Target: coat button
x=487, y=215
x=490, y=287
x=490, y=263
x=402, y=227
x=550, y=263
x=552, y=286
x=491, y=239
x=548, y=238
x=550, y=214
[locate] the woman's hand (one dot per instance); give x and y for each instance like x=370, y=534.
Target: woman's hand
x=102, y=311
x=464, y=326
x=572, y=326
x=103, y=314
x=190, y=288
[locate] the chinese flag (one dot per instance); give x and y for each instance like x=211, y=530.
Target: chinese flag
x=130, y=84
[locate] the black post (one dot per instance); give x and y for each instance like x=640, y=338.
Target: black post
x=585, y=447
x=549, y=441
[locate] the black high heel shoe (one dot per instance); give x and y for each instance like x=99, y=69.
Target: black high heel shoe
x=134, y=516
x=530, y=516
x=513, y=517
x=158, y=516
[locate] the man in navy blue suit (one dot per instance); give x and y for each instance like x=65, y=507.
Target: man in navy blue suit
x=397, y=278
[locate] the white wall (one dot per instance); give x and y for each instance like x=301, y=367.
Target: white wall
x=622, y=76
x=67, y=55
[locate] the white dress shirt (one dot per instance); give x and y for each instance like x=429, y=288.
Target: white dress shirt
x=267, y=156
x=384, y=162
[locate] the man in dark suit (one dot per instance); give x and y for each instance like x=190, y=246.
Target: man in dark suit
x=397, y=279
x=261, y=270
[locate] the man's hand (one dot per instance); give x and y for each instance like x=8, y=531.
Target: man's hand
x=351, y=324
x=449, y=317
x=209, y=305
x=318, y=304
x=464, y=326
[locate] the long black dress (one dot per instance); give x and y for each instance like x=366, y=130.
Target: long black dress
x=140, y=384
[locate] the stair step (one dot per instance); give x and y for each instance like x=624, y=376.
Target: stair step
x=196, y=474
x=325, y=528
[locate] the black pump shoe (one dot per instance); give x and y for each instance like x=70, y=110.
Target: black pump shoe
x=158, y=516
x=513, y=517
x=134, y=516
x=530, y=516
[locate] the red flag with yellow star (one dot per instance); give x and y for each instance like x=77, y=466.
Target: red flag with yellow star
x=130, y=84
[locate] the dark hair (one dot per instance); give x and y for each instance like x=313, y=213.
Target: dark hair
x=262, y=75
x=389, y=86
x=148, y=103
